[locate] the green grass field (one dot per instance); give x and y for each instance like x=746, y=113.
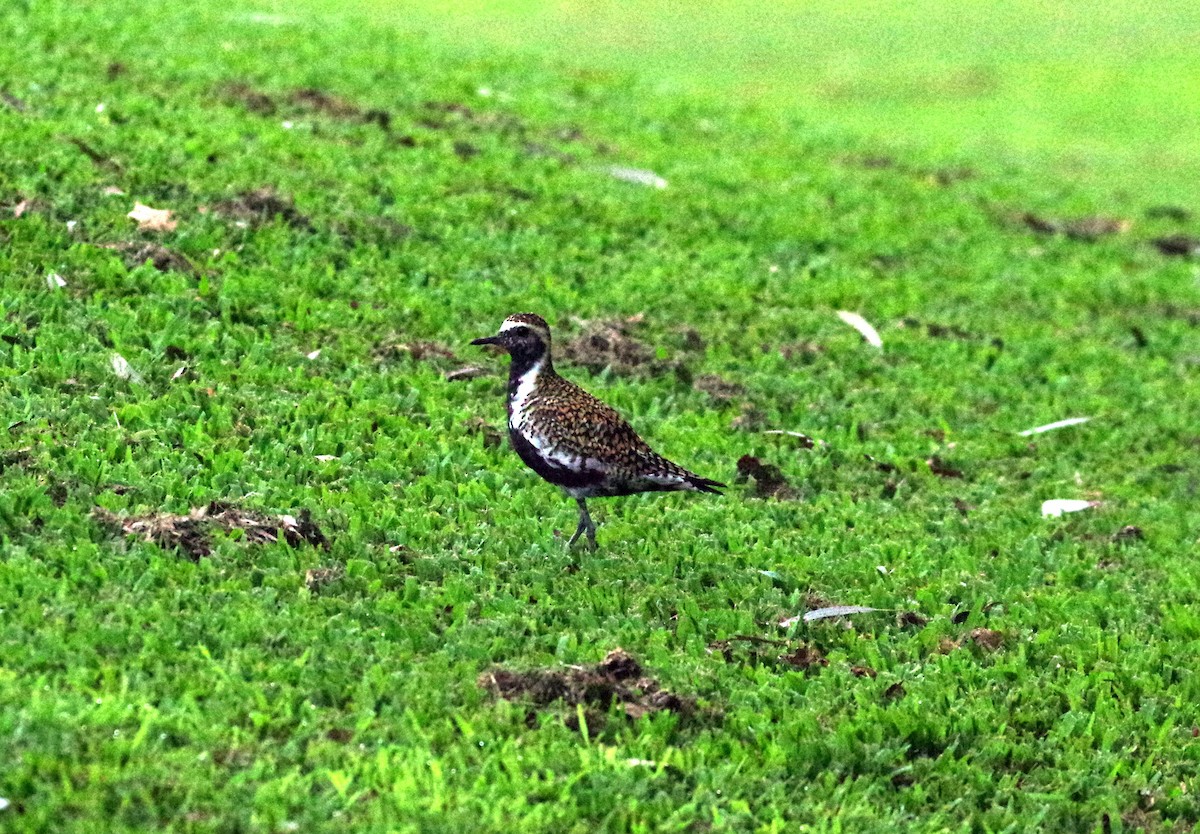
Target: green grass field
x=355, y=198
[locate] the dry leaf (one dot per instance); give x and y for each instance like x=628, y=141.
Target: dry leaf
x=1057, y=424
x=313, y=355
x=124, y=370
x=152, y=219
x=1055, y=507
x=862, y=326
x=837, y=611
x=826, y=613
x=637, y=176
x=55, y=281
x=325, y=458
x=805, y=441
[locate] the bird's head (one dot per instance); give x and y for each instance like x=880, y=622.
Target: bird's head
x=524, y=335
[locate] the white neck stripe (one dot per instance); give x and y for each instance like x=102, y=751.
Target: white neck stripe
x=525, y=387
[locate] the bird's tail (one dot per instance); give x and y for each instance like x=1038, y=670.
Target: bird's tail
x=705, y=484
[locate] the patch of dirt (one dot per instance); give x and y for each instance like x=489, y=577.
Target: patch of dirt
x=725, y=647
x=863, y=672
x=963, y=507
x=466, y=151
x=135, y=253
x=16, y=457
x=768, y=478
x=940, y=331
x=319, y=101
x=949, y=176
x=617, y=679
x=262, y=205
x=1082, y=228
x=718, y=388
x=803, y=351
x=752, y=418
x=987, y=638
x=805, y=657
x=611, y=344
x=1129, y=533
x=192, y=533
x=305, y=99
x=894, y=692
x=802, y=656
x=317, y=578
x=444, y=115
x=1178, y=245
x=881, y=465
x=492, y=438
x=12, y=101
x=418, y=351
x=942, y=468
x=30, y=205
x=256, y=101
x=911, y=619
x=380, y=230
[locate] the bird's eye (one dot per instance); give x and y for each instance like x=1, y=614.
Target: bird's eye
x=522, y=331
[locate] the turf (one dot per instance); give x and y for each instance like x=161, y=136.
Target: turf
x=1090, y=93
x=354, y=204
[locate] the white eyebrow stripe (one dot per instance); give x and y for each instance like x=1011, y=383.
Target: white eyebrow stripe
x=510, y=325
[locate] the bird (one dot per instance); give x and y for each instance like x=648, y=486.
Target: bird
x=572, y=439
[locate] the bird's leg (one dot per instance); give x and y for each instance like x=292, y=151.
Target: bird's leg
x=586, y=525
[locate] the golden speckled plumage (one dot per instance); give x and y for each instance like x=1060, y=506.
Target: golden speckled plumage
x=575, y=423
x=569, y=437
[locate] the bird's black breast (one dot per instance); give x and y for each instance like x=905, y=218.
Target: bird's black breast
x=556, y=474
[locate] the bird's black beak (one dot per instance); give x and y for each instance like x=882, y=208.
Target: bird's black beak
x=487, y=340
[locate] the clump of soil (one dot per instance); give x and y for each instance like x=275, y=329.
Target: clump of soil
x=765, y=649
x=942, y=468
x=1178, y=245
x=262, y=205
x=768, y=478
x=617, y=679
x=135, y=253
x=305, y=99
x=718, y=388
x=192, y=533
x=1082, y=228
x=611, y=344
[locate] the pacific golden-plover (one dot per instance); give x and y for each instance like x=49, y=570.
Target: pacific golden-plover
x=569, y=437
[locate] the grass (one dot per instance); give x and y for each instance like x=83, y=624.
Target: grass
x=1051, y=687
x=1087, y=94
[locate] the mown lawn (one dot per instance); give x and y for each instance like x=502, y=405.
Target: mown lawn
x=352, y=205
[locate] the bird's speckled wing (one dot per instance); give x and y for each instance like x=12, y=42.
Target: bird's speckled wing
x=583, y=433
